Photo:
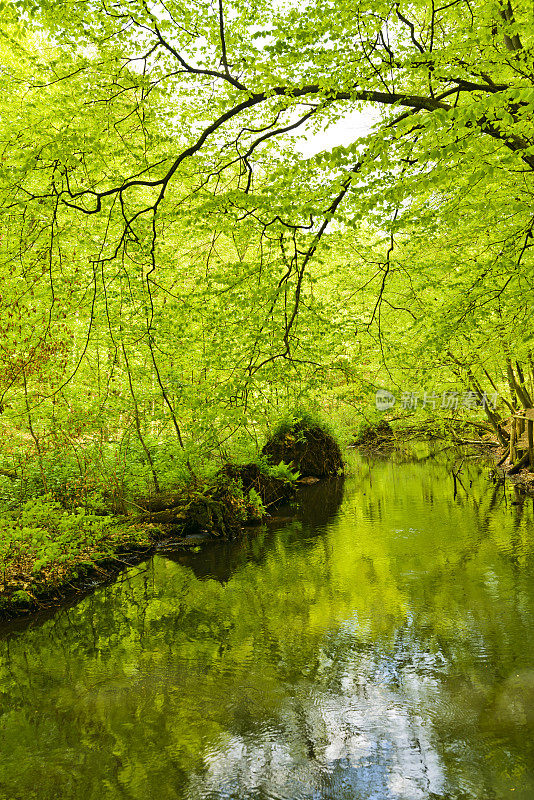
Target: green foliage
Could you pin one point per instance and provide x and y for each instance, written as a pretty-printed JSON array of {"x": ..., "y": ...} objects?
[
  {"x": 299, "y": 419},
  {"x": 44, "y": 546},
  {"x": 283, "y": 472},
  {"x": 255, "y": 504},
  {"x": 246, "y": 505},
  {"x": 177, "y": 275}
]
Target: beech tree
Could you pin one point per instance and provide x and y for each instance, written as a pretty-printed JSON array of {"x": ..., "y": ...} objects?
[
  {"x": 200, "y": 100},
  {"x": 153, "y": 198}
]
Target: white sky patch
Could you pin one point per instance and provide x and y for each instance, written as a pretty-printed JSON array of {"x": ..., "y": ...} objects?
[{"x": 355, "y": 124}]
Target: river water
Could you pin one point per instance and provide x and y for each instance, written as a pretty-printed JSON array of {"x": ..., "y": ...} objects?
[{"x": 377, "y": 647}]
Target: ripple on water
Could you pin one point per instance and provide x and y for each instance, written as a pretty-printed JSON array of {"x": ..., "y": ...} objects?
[{"x": 381, "y": 651}]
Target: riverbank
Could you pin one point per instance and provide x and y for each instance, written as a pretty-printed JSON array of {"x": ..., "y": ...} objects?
[
  {"x": 524, "y": 479},
  {"x": 384, "y": 439},
  {"x": 48, "y": 553}
]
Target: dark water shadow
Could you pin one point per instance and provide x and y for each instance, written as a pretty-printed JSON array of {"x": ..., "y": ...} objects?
[
  {"x": 319, "y": 504},
  {"x": 314, "y": 507},
  {"x": 220, "y": 560}
]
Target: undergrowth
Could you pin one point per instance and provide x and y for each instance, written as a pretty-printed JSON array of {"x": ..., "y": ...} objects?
[{"x": 43, "y": 546}]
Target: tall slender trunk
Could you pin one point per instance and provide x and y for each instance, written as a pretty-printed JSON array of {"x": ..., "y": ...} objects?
[{"x": 138, "y": 424}]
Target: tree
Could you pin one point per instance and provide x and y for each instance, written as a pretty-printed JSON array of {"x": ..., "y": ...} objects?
[{"x": 156, "y": 148}]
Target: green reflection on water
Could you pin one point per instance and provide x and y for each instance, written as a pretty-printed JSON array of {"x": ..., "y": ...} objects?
[{"x": 381, "y": 649}]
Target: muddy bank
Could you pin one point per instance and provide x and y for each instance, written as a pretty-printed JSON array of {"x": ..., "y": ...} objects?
[
  {"x": 49, "y": 552},
  {"x": 523, "y": 478}
]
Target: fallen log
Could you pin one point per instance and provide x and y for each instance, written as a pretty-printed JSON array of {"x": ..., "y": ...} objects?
[{"x": 505, "y": 456}]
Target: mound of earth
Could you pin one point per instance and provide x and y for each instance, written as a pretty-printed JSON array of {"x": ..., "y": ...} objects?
[
  {"x": 215, "y": 511},
  {"x": 219, "y": 508},
  {"x": 307, "y": 448},
  {"x": 375, "y": 435},
  {"x": 203, "y": 508}
]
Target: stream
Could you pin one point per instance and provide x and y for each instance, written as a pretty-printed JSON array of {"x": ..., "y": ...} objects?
[{"x": 376, "y": 646}]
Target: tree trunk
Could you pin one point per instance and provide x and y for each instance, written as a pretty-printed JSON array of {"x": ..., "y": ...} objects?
[
  {"x": 513, "y": 440},
  {"x": 519, "y": 465}
]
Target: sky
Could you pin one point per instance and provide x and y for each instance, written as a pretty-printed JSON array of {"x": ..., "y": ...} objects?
[{"x": 343, "y": 132}]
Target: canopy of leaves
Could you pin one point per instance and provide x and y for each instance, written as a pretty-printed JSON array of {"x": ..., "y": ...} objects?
[{"x": 174, "y": 270}]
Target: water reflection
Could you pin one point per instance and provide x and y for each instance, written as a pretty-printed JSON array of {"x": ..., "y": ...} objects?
[
  {"x": 377, "y": 649},
  {"x": 319, "y": 503},
  {"x": 316, "y": 507},
  {"x": 220, "y": 560}
]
